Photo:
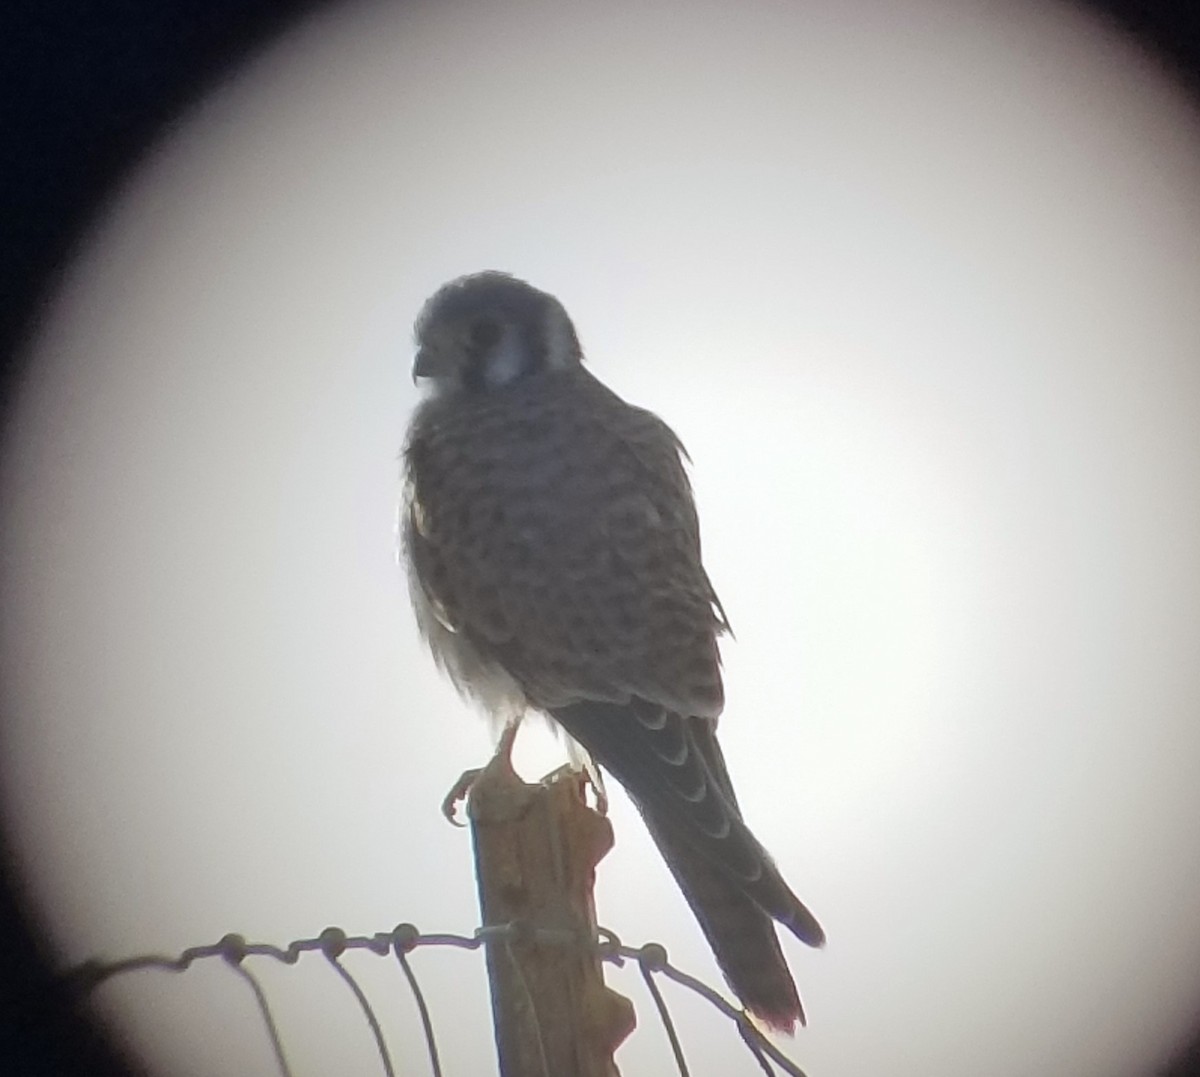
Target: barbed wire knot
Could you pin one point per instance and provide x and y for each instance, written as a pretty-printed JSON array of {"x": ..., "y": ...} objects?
[
  {"x": 653, "y": 957},
  {"x": 405, "y": 938},
  {"x": 333, "y": 942},
  {"x": 233, "y": 948}
]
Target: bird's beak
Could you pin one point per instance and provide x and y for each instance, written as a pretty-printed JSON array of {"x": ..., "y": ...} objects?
[{"x": 424, "y": 365}]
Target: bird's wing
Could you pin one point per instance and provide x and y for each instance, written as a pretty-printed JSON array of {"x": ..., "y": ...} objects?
[{"x": 554, "y": 527}]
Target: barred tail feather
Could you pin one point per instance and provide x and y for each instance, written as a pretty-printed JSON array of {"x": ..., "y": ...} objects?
[{"x": 674, "y": 771}]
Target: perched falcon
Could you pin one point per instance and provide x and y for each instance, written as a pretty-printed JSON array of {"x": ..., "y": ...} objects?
[{"x": 554, "y": 563}]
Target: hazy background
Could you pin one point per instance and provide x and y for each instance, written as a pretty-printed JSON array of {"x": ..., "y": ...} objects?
[{"x": 919, "y": 286}]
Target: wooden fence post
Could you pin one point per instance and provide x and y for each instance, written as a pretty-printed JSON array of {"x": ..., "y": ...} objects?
[{"x": 536, "y": 850}]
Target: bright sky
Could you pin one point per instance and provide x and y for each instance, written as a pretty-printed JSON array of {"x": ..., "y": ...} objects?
[{"x": 917, "y": 283}]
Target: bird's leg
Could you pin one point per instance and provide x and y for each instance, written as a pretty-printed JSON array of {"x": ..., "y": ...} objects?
[{"x": 460, "y": 789}]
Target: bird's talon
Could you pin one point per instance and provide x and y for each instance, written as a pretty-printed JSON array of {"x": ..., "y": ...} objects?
[{"x": 458, "y": 793}]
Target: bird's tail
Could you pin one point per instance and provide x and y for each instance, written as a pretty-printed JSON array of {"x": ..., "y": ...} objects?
[
  {"x": 741, "y": 934},
  {"x": 675, "y": 773}
]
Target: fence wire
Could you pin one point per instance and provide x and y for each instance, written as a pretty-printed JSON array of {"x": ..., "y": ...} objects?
[{"x": 333, "y": 942}]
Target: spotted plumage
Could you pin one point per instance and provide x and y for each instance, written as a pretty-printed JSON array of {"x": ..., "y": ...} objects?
[{"x": 554, "y": 556}]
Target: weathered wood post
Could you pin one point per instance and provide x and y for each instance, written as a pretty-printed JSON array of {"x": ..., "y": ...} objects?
[{"x": 536, "y": 850}]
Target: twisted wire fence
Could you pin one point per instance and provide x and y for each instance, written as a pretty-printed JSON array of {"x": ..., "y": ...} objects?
[{"x": 333, "y": 942}]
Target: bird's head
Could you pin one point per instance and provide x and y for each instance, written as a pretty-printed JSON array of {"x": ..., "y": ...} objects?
[{"x": 482, "y": 332}]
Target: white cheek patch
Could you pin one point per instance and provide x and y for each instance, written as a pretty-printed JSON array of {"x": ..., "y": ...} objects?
[{"x": 506, "y": 362}]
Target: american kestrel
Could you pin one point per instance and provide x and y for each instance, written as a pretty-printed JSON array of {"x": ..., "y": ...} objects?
[{"x": 554, "y": 564}]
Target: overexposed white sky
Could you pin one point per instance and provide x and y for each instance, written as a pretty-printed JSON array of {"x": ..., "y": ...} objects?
[{"x": 917, "y": 283}]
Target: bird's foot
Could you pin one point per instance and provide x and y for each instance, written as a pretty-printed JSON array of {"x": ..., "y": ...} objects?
[
  {"x": 461, "y": 788},
  {"x": 458, "y": 793}
]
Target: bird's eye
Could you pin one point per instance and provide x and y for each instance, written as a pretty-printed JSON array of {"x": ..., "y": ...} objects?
[{"x": 484, "y": 334}]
